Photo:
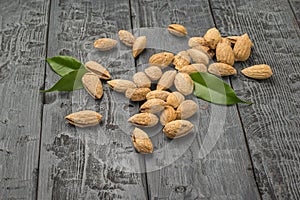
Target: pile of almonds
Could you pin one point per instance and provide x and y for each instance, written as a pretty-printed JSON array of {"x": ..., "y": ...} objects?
[{"x": 171, "y": 109}]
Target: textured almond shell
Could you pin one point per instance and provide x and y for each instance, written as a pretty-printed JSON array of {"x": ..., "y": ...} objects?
[
  {"x": 175, "y": 99},
  {"x": 187, "y": 109},
  {"x": 144, "y": 119},
  {"x": 177, "y": 30},
  {"x": 224, "y": 53},
  {"x": 178, "y": 128},
  {"x": 141, "y": 141},
  {"x": 153, "y": 106},
  {"x": 137, "y": 94},
  {"x": 141, "y": 80},
  {"x": 212, "y": 37},
  {"x": 193, "y": 68},
  {"x": 121, "y": 85},
  {"x": 183, "y": 83},
  {"x": 198, "y": 56},
  {"x": 158, "y": 94},
  {"x": 167, "y": 115},
  {"x": 139, "y": 45},
  {"x": 262, "y": 71},
  {"x": 92, "y": 85},
  {"x": 105, "y": 44},
  {"x": 221, "y": 69},
  {"x": 162, "y": 59},
  {"x": 153, "y": 72},
  {"x": 84, "y": 118},
  {"x": 242, "y": 48},
  {"x": 232, "y": 39},
  {"x": 196, "y": 42},
  {"x": 181, "y": 59},
  {"x": 98, "y": 69},
  {"x": 166, "y": 80},
  {"x": 126, "y": 38}
]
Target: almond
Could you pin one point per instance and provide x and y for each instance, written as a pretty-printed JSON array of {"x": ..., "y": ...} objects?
[
  {"x": 178, "y": 128},
  {"x": 167, "y": 115},
  {"x": 84, "y": 118},
  {"x": 158, "y": 94},
  {"x": 261, "y": 71},
  {"x": 221, "y": 69},
  {"x": 153, "y": 106},
  {"x": 183, "y": 83},
  {"x": 212, "y": 37},
  {"x": 186, "y": 109},
  {"x": 198, "y": 56},
  {"x": 137, "y": 94},
  {"x": 153, "y": 72},
  {"x": 92, "y": 85},
  {"x": 162, "y": 59},
  {"x": 98, "y": 69},
  {"x": 166, "y": 80},
  {"x": 177, "y": 30},
  {"x": 232, "y": 39},
  {"x": 181, "y": 59},
  {"x": 139, "y": 45},
  {"x": 126, "y": 38},
  {"x": 224, "y": 53},
  {"x": 193, "y": 68},
  {"x": 242, "y": 48},
  {"x": 196, "y": 42},
  {"x": 141, "y": 141},
  {"x": 105, "y": 44},
  {"x": 144, "y": 119},
  {"x": 175, "y": 99},
  {"x": 121, "y": 85},
  {"x": 141, "y": 80}
]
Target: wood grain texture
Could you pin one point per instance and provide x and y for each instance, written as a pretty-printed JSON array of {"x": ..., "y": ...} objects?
[
  {"x": 295, "y": 5},
  {"x": 92, "y": 163},
  {"x": 215, "y": 164},
  {"x": 23, "y": 27},
  {"x": 272, "y": 122}
]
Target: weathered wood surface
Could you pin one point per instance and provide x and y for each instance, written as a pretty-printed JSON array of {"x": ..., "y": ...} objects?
[
  {"x": 215, "y": 164},
  {"x": 272, "y": 122},
  {"x": 23, "y": 28},
  {"x": 89, "y": 163},
  {"x": 295, "y": 5}
]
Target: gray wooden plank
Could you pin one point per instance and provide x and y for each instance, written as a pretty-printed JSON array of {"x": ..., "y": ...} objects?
[
  {"x": 272, "y": 122},
  {"x": 23, "y": 27},
  {"x": 295, "y": 5},
  {"x": 98, "y": 162},
  {"x": 213, "y": 162}
]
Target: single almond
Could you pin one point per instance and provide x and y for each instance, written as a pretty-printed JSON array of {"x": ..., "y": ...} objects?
[
  {"x": 261, "y": 71},
  {"x": 141, "y": 141},
  {"x": 196, "y": 42},
  {"x": 181, "y": 59},
  {"x": 84, "y": 118},
  {"x": 137, "y": 94},
  {"x": 193, "y": 68},
  {"x": 242, "y": 48},
  {"x": 166, "y": 80},
  {"x": 212, "y": 37},
  {"x": 153, "y": 72},
  {"x": 92, "y": 85},
  {"x": 98, "y": 69},
  {"x": 177, "y": 30},
  {"x": 105, "y": 44},
  {"x": 224, "y": 53},
  {"x": 221, "y": 69},
  {"x": 139, "y": 45},
  {"x": 198, "y": 56},
  {"x": 126, "y": 38},
  {"x": 178, "y": 128},
  {"x": 183, "y": 83},
  {"x": 175, "y": 99},
  {"x": 121, "y": 85},
  {"x": 158, "y": 94},
  {"x": 186, "y": 109},
  {"x": 162, "y": 59},
  {"x": 153, "y": 106},
  {"x": 141, "y": 80},
  {"x": 167, "y": 115},
  {"x": 144, "y": 119}
]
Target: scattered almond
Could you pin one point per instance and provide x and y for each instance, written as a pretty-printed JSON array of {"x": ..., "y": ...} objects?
[
  {"x": 121, "y": 85},
  {"x": 92, "y": 85},
  {"x": 212, "y": 37},
  {"x": 242, "y": 48},
  {"x": 158, "y": 94},
  {"x": 162, "y": 59},
  {"x": 177, "y": 30},
  {"x": 166, "y": 80},
  {"x": 221, "y": 69},
  {"x": 186, "y": 109},
  {"x": 167, "y": 115},
  {"x": 98, "y": 69},
  {"x": 193, "y": 68},
  {"x": 84, "y": 118},
  {"x": 105, "y": 44},
  {"x": 139, "y": 45},
  {"x": 181, "y": 59},
  {"x": 144, "y": 119},
  {"x": 196, "y": 42},
  {"x": 141, "y": 141},
  {"x": 198, "y": 56},
  {"x": 153, "y": 72},
  {"x": 178, "y": 128},
  {"x": 126, "y": 38},
  {"x": 175, "y": 99},
  {"x": 141, "y": 80},
  {"x": 261, "y": 71},
  {"x": 153, "y": 106},
  {"x": 137, "y": 94},
  {"x": 224, "y": 53},
  {"x": 183, "y": 83}
]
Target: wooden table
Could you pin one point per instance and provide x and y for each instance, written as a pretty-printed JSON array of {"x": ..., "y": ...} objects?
[{"x": 257, "y": 155}]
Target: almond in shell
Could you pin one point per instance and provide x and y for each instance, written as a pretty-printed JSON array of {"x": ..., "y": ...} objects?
[
  {"x": 84, "y": 118},
  {"x": 126, "y": 38},
  {"x": 153, "y": 106},
  {"x": 181, "y": 59},
  {"x": 212, "y": 37},
  {"x": 177, "y": 30},
  {"x": 186, "y": 109},
  {"x": 167, "y": 115},
  {"x": 261, "y": 71},
  {"x": 137, "y": 94},
  {"x": 139, "y": 45},
  {"x": 183, "y": 83},
  {"x": 141, "y": 80},
  {"x": 153, "y": 72},
  {"x": 178, "y": 128},
  {"x": 158, "y": 94},
  {"x": 193, "y": 68},
  {"x": 198, "y": 56},
  {"x": 144, "y": 119},
  {"x": 141, "y": 141},
  {"x": 221, "y": 69},
  {"x": 175, "y": 99},
  {"x": 224, "y": 53},
  {"x": 162, "y": 59},
  {"x": 166, "y": 80},
  {"x": 121, "y": 85},
  {"x": 92, "y": 85},
  {"x": 196, "y": 42},
  {"x": 242, "y": 48},
  {"x": 105, "y": 44},
  {"x": 98, "y": 69}
]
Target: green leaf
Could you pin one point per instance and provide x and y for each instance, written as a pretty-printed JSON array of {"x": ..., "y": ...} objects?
[
  {"x": 63, "y": 65},
  {"x": 69, "y": 82},
  {"x": 212, "y": 89}
]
